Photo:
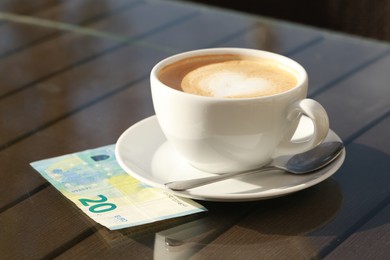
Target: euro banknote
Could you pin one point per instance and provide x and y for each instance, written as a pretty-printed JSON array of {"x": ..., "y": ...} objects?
[{"x": 95, "y": 182}]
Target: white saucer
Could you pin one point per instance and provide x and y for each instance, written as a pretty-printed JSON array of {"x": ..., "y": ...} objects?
[{"x": 144, "y": 153}]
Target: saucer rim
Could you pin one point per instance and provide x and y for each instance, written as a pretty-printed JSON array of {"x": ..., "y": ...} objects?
[{"x": 223, "y": 197}]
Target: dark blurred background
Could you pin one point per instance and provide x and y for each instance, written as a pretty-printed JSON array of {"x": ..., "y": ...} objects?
[{"x": 367, "y": 18}]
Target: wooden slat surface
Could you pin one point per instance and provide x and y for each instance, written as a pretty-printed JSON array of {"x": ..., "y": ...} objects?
[
  {"x": 41, "y": 26},
  {"x": 26, "y": 7},
  {"x": 374, "y": 235},
  {"x": 68, "y": 88},
  {"x": 53, "y": 217}
]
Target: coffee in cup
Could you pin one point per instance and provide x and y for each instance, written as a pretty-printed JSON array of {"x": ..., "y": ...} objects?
[
  {"x": 233, "y": 109},
  {"x": 228, "y": 76}
]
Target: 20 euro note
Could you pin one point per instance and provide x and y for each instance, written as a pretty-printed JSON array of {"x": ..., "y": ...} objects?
[{"x": 95, "y": 182}]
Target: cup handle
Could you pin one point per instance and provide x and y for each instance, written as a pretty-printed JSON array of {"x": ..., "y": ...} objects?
[{"x": 313, "y": 110}]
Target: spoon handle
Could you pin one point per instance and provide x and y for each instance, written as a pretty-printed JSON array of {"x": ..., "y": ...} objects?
[{"x": 190, "y": 184}]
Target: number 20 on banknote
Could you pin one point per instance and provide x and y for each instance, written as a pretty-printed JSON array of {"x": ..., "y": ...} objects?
[{"x": 98, "y": 205}]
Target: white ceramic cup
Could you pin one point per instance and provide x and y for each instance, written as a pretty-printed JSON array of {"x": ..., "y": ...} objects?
[{"x": 233, "y": 134}]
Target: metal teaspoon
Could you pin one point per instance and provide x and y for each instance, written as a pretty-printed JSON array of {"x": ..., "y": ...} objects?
[{"x": 302, "y": 163}]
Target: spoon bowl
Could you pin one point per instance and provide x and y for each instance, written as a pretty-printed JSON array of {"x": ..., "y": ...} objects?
[{"x": 303, "y": 163}]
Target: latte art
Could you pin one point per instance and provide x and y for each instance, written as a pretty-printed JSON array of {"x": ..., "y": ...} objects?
[
  {"x": 225, "y": 84},
  {"x": 228, "y": 76},
  {"x": 242, "y": 78}
]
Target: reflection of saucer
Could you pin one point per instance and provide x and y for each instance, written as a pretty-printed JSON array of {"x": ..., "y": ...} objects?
[{"x": 143, "y": 152}]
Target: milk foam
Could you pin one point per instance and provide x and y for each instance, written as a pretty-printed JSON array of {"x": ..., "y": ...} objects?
[
  {"x": 231, "y": 83},
  {"x": 236, "y": 78}
]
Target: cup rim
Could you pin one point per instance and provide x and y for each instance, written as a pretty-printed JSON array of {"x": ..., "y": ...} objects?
[{"x": 294, "y": 65}]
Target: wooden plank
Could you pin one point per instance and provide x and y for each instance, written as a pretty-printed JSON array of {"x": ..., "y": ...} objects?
[
  {"x": 73, "y": 89},
  {"x": 26, "y": 7},
  {"x": 137, "y": 22},
  {"x": 17, "y": 34},
  {"x": 203, "y": 31},
  {"x": 356, "y": 101},
  {"x": 371, "y": 241},
  {"x": 82, "y": 12},
  {"x": 335, "y": 58},
  {"x": 276, "y": 37},
  {"x": 277, "y": 228},
  {"x": 98, "y": 246},
  {"x": 173, "y": 239},
  {"x": 40, "y": 225},
  {"x": 69, "y": 93},
  {"x": 377, "y": 137},
  {"x": 364, "y": 180},
  {"x": 24, "y": 68}
]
